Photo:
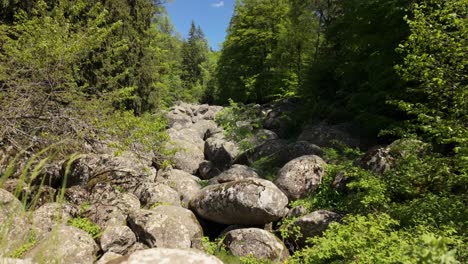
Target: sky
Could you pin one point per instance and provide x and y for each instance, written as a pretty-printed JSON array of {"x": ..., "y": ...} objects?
[{"x": 212, "y": 16}]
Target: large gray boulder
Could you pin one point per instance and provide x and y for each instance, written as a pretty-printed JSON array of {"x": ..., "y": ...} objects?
[
  {"x": 245, "y": 202},
  {"x": 167, "y": 227},
  {"x": 51, "y": 215},
  {"x": 311, "y": 225},
  {"x": 235, "y": 173},
  {"x": 126, "y": 172},
  {"x": 220, "y": 151},
  {"x": 256, "y": 242},
  {"x": 184, "y": 183},
  {"x": 301, "y": 177},
  {"x": 157, "y": 193},
  {"x": 109, "y": 206},
  {"x": 117, "y": 239},
  {"x": 188, "y": 147},
  {"x": 108, "y": 257},
  {"x": 379, "y": 159},
  {"x": 167, "y": 255},
  {"x": 15, "y": 261},
  {"x": 14, "y": 225},
  {"x": 65, "y": 244}
]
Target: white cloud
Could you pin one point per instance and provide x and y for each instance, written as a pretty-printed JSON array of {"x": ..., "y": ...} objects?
[{"x": 218, "y": 4}]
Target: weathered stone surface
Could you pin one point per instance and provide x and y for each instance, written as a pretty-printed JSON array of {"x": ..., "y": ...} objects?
[
  {"x": 313, "y": 224},
  {"x": 184, "y": 183},
  {"x": 117, "y": 239},
  {"x": 208, "y": 170},
  {"x": 177, "y": 117},
  {"x": 235, "y": 173},
  {"x": 166, "y": 255},
  {"x": 76, "y": 195},
  {"x": 189, "y": 150},
  {"x": 381, "y": 159},
  {"x": 50, "y": 215},
  {"x": 245, "y": 202},
  {"x": 268, "y": 149},
  {"x": 256, "y": 242},
  {"x": 203, "y": 127},
  {"x": 297, "y": 211},
  {"x": 259, "y": 137},
  {"x": 123, "y": 171},
  {"x": 14, "y": 225},
  {"x": 109, "y": 206},
  {"x": 301, "y": 176},
  {"x": 167, "y": 227},
  {"x": 67, "y": 244},
  {"x": 220, "y": 151},
  {"x": 157, "y": 193},
  {"x": 107, "y": 257}
]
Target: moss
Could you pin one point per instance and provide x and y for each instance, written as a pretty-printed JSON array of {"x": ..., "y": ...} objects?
[{"x": 86, "y": 225}]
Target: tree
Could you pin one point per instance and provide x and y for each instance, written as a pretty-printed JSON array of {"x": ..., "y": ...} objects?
[
  {"x": 195, "y": 53},
  {"x": 246, "y": 69},
  {"x": 436, "y": 69}
]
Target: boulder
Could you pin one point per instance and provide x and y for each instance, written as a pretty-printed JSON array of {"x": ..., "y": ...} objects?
[
  {"x": 245, "y": 202},
  {"x": 124, "y": 172},
  {"x": 15, "y": 261},
  {"x": 15, "y": 228},
  {"x": 177, "y": 117},
  {"x": 259, "y": 137},
  {"x": 204, "y": 128},
  {"x": 208, "y": 170},
  {"x": 220, "y": 151},
  {"x": 51, "y": 215},
  {"x": 109, "y": 206},
  {"x": 157, "y": 193},
  {"x": 266, "y": 150},
  {"x": 167, "y": 255},
  {"x": 256, "y": 242},
  {"x": 117, "y": 239},
  {"x": 313, "y": 224},
  {"x": 76, "y": 195},
  {"x": 380, "y": 159},
  {"x": 235, "y": 173},
  {"x": 300, "y": 177},
  {"x": 108, "y": 257},
  {"x": 167, "y": 227},
  {"x": 188, "y": 152},
  {"x": 184, "y": 183},
  {"x": 66, "y": 244}
]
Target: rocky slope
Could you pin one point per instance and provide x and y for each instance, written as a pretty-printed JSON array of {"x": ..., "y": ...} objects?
[{"x": 150, "y": 213}]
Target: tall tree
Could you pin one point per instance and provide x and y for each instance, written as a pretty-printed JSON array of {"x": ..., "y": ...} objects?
[
  {"x": 195, "y": 52},
  {"x": 246, "y": 69}
]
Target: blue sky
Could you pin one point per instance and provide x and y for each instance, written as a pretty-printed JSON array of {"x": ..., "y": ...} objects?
[{"x": 212, "y": 15}]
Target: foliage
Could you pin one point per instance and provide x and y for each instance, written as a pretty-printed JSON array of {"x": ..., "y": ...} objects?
[
  {"x": 239, "y": 122},
  {"x": 436, "y": 67},
  {"x": 375, "y": 239},
  {"x": 86, "y": 225},
  {"x": 19, "y": 252}
]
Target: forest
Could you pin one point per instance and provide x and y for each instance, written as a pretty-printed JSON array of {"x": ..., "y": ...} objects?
[{"x": 76, "y": 73}]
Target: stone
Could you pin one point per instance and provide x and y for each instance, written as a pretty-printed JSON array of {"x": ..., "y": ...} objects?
[
  {"x": 188, "y": 153},
  {"x": 167, "y": 226},
  {"x": 208, "y": 170},
  {"x": 158, "y": 193},
  {"x": 109, "y": 206},
  {"x": 50, "y": 215},
  {"x": 257, "y": 243},
  {"x": 184, "y": 183},
  {"x": 107, "y": 257},
  {"x": 221, "y": 151},
  {"x": 166, "y": 255},
  {"x": 313, "y": 224},
  {"x": 245, "y": 202},
  {"x": 15, "y": 228},
  {"x": 301, "y": 177},
  {"x": 122, "y": 171},
  {"x": 117, "y": 239},
  {"x": 66, "y": 244},
  {"x": 235, "y": 173}
]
